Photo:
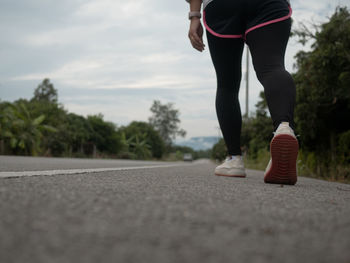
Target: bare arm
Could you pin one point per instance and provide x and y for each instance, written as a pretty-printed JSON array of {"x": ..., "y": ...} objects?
[
  {"x": 195, "y": 5},
  {"x": 195, "y": 33}
]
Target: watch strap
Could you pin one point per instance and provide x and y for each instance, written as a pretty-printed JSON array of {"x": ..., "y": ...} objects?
[{"x": 194, "y": 14}]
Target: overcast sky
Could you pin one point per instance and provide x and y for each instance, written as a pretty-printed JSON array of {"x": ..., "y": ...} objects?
[{"x": 115, "y": 57}]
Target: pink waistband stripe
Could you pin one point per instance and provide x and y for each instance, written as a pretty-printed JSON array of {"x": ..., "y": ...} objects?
[
  {"x": 250, "y": 29},
  {"x": 271, "y": 22},
  {"x": 216, "y": 34}
]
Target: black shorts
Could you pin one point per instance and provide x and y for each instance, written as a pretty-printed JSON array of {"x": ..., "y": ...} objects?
[{"x": 236, "y": 18}]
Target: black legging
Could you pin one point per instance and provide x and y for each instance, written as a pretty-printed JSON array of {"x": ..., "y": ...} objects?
[{"x": 267, "y": 46}]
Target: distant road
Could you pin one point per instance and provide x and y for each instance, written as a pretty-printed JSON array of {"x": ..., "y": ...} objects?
[
  {"x": 137, "y": 211},
  {"x": 18, "y": 163}
]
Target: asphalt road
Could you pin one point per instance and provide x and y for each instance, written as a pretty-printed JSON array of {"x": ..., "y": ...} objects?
[{"x": 180, "y": 213}]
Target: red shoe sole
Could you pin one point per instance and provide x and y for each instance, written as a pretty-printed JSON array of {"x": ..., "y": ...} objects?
[
  {"x": 241, "y": 176},
  {"x": 284, "y": 152}
]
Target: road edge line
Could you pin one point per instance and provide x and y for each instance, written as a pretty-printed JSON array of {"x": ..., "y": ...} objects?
[{"x": 18, "y": 174}]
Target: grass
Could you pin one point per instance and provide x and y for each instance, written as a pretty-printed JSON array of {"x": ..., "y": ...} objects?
[
  {"x": 260, "y": 162},
  {"x": 307, "y": 167}
]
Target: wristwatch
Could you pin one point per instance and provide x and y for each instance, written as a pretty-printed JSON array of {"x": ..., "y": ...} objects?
[{"x": 194, "y": 14}]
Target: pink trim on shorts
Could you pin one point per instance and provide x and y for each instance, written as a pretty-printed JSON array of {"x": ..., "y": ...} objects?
[
  {"x": 250, "y": 29},
  {"x": 270, "y": 22},
  {"x": 216, "y": 34}
]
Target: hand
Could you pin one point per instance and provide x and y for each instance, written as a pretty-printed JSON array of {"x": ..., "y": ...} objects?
[{"x": 195, "y": 34}]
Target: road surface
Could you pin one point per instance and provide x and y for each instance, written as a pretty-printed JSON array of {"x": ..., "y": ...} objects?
[{"x": 164, "y": 212}]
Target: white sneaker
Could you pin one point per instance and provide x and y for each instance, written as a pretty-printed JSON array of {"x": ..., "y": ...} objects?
[
  {"x": 282, "y": 167},
  {"x": 233, "y": 166}
]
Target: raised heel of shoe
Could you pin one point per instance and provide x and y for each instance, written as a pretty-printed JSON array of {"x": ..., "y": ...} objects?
[{"x": 284, "y": 152}]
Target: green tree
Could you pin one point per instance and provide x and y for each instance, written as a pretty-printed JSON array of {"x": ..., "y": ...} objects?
[
  {"x": 45, "y": 92},
  {"x": 257, "y": 131},
  {"x": 27, "y": 130},
  {"x": 165, "y": 119},
  {"x": 219, "y": 151},
  {"x": 58, "y": 143},
  {"x": 262, "y": 127},
  {"x": 6, "y": 121},
  {"x": 152, "y": 137},
  {"x": 323, "y": 81},
  {"x": 79, "y": 131},
  {"x": 140, "y": 147},
  {"x": 247, "y": 133},
  {"x": 344, "y": 147},
  {"x": 104, "y": 136}
]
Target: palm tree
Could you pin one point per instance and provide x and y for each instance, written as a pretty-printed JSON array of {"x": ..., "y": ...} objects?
[
  {"x": 28, "y": 130},
  {"x": 140, "y": 147}
]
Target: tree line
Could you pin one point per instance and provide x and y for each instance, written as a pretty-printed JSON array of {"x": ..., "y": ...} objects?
[{"x": 41, "y": 126}]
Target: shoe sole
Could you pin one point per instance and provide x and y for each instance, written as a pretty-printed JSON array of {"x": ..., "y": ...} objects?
[
  {"x": 284, "y": 152},
  {"x": 241, "y": 176}
]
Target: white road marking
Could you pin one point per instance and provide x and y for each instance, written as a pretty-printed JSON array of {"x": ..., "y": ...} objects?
[{"x": 81, "y": 171}]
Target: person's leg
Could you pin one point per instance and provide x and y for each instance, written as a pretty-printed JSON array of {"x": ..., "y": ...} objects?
[
  {"x": 268, "y": 45},
  {"x": 226, "y": 55}
]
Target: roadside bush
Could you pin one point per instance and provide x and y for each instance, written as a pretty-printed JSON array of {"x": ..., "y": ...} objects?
[
  {"x": 219, "y": 151},
  {"x": 344, "y": 147}
]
